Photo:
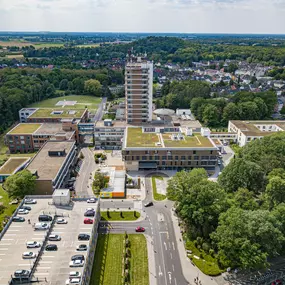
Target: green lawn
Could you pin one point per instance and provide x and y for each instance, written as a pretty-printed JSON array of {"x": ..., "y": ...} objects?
[
  {"x": 82, "y": 100},
  {"x": 12, "y": 165},
  {"x": 116, "y": 216},
  {"x": 187, "y": 141},
  {"x": 136, "y": 138},
  {"x": 25, "y": 128},
  {"x": 107, "y": 268},
  {"x": 157, "y": 196},
  {"x": 9, "y": 209},
  {"x": 139, "y": 260},
  {"x": 62, "y": 113},
  {"x": 46, "y": 45}
]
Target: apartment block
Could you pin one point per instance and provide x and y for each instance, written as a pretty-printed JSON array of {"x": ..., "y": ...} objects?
[
  {"x": 51, "y": 165},
  {"x": 247, "y": 131},
  {"x": 167, "y": 148},
  {"x": 138, "y": 90},
  {"x": 26, "y": 137}
]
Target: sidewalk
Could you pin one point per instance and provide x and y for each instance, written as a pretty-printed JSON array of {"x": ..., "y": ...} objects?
[
  {"x": 189, "y": 270},
  {"x": 151, "y": 261},
  {"x": 141, "y": 218}
]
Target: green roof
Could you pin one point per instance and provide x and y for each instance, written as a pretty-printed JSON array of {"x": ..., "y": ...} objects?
[
  {"x": 187, "y": 141},
  {"x": 136, "y": 138},
  {"x": 12, "y": 164},
  {"x": 25, "y": 129},
  {"x": 59, "y": 113}
]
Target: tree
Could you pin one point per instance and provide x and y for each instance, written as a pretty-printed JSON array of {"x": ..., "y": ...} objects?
[
  {"x": 246, "y": 238},
  {"x": 210, "y": 115},
  {"x": 240, "y": 173},
  {"x": 20, "y": 184},
  {"x": 244, "y": 199},
  {"x": 63, "y": 85},
  {"x": 279, "y": 172},
  {"x": 99, "y": 182},
  {"x": 248, "y": 111},
  {"x": 92, "y": 86},
  {"x": 282, "y": 111},
  {"x": 275, "y": 191},
  {"x": 262, "y": 107},
  {"x": 231, "y": 112}
]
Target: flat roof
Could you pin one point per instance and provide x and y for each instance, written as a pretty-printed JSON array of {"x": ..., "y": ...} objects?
[
  {"x": 24, "y": 128},
  {"x": 52, "y": 129},
  {"x": 47, "y": 166},
  {"x": 60, "y": 113},
  {"x": 135, "y": 138},
  {"x": 12, "y": 164},
  {"x": 53, "y": 265}
]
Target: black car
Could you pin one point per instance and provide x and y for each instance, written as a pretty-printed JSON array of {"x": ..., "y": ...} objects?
[
  {"x": 89, "y": 213},
  {"x": 77, "y": 256},
  {"x": 26, "y": 208},
  {"x": 45, "y": 218},
  {"x": 51, "y": 247},
  {"x": 148, "y": 204},
  {"x": 22, "y": 273},
  {"x": 83, "y": 237},
  {"x": 18, "y": 219}
]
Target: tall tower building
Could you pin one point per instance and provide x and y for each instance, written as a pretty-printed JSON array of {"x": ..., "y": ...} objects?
[{"x": 138, "y": 90}]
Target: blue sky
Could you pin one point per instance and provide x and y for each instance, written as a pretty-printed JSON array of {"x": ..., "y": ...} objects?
[{"x": 190, "y": 16}]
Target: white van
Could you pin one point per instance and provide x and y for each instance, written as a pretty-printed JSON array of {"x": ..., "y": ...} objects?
[{"x": 41, "y": 226}]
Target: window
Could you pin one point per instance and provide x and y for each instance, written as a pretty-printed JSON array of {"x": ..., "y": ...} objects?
[
  {"x": 203, "y": 162},
  {"x": 163, "y": 157},
  {"x": 205, "y": 157},
  {"x": 194, "y": 152},
  {"x": 169, "y": 157},
  {"x": 213, "y": 157},
  {"x": 163, "y": 162},
  {"x": 211, "y": 152},
  {"x": 137, "y": 158},
  {"x": 189, "y": 157},
  {"x": 176, "y": 157},
  {"x": 156, "y": 157},
  {"x": 183, "y": 157},
  {"x": 189, "y": 162},
  {"x": 143, "y": 157},
  {"x": 196, "y": 157}
]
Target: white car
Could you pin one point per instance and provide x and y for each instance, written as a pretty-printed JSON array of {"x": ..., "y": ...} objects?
[
  {"x": 72, "y": 281},
  {"x": 91, "y": 200},
  {"x": 28, "y": 255},
  {"x": 41, "y": 226},
  {"x": 76, "y": 263},
  {"x": 23, "y": 212},
  {"x": 54, "y": 237},
  {"x": 33, "y": 244},
  {"x": 74, "y": 274},
  {"x": 61, "y": 221},
  {"x": 30, "y": 201},
  {"x": 90, "y": 209}
]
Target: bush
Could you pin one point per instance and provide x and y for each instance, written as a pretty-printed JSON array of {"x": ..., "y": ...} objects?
[
  {"x": 209, "y": 268},
  {"x": 206, "y": 246}
]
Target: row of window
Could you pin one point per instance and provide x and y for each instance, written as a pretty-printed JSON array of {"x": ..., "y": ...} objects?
[
  {"x": 163, "y": 157},
  {"x": 177, "y": 163},
  {"x": 176, "y": 157}
]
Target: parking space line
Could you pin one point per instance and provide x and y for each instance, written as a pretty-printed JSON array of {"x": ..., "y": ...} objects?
[
  {"x": 5, "y": 243},
  {"x": 45, "y": 262},
  {"x": 39, "y": 267},
  {"x": 2, "y": 253},
  {"x": 3, "y": 248},
  {"x": 24, "y": 264},
  {"x": 7, "y": 239},
  {"x": 48, "y": 256},
  {"x": 10, "y": 234},
  {"x": 42, "y": 273},
  {"x": 14, "y": 230},
  {"x": 40, "y": 234}
]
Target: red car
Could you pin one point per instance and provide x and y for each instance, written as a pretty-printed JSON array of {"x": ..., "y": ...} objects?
[
  {"x": 140, "y": 229},
  {"x": 88, "y": 221}
]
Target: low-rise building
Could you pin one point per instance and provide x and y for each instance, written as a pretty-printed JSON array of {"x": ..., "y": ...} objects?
[
  {"x": 51, "y": 165},
  {"x": 247, "y": 131},
  {"x": 167, "y": 148}
]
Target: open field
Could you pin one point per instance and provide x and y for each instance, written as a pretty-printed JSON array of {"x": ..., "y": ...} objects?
[
  {"x": 107, "y": 268},
  {"x": 116, "y": 216},
  {"x": 82, "y": 100},
  {"x": 156, "y": 196},
  {"x": 14, "y": 56},
  {"x": 37, "y": 45},
  {"x": 88, "y": 45},
  {"x": 25, "y": 128},
  {"x": 8, "y": 210},
  {"x": 12, "y": 164},
  {"x": 136, "y": 138}
]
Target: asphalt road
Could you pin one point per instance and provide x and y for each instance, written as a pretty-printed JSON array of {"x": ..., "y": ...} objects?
[
  {"x": 158, "y": 224},
  {"x": 99, "y": 113}
]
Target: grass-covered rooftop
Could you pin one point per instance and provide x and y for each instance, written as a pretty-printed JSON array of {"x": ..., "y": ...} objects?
[
  {"x": 57, "y": 113},
  {"x": 136, "y": 138},
  {"x": 25, "y": 128},
  {"x": 12, "y": 164}
]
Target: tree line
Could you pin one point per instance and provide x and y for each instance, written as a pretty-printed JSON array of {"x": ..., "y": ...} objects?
[
  {"x": 240, "y": 219},
  {"x": 22, "y": 87}
]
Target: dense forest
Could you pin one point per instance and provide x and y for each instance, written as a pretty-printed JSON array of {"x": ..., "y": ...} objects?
[
  {"x": 239, "y": 221},
  {"x": 19, "y": 88},
  {"x": 216, "y": 112}
]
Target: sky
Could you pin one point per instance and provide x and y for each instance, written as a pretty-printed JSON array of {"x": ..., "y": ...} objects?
[{"x": 182, "y": 16}]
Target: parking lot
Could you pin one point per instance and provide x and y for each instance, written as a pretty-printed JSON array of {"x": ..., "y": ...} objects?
[{"x": 53, "y": 266}]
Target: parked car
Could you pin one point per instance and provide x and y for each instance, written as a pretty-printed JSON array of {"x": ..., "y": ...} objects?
[
  {"x": 18, "y": 219},
  {"x": 81, "y": 247},
  {"x": 92, "y": 200},
  {"x": 76, "y": 263},
  {"x": 22, "y": 273},
  {"x": 88, "y": 221},
  {"x": 45, "y": 218},
  {"x": 41, "y": 226},
  {"x": 78, "y": 256},
  {"x": 28, "y": 255},
  {"x": 89, "y": 213},
  {"x": 26, "y": 208},
  {"x": 71, "y": 179},
  {"x": 51, "y": 247},
  {"x": 54, "y": 238},
  {"x": 140, "y": 229},
  {"x": 30, "y": 201},
  {"x": 90, "y": 209},
  {"x": 74, "y": 274},
  {"x": 61, "y": 221},
  {"x": 72, "y": 281},
  {"x": 23, "y": 212},
  {"x": 148, "y": 204},
  {"x": 83, "y": 237},
  {"x": 33, "y": 244}
]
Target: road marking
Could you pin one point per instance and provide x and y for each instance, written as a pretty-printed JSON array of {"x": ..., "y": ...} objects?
[
  {"x": 43, "y": 268},
  {"x": 45, "y": 262},
  {"x": 7, "y": 239},
  {"x": 42, "y": 273},
  {"x": 10, "y": 234},
  {"x": 160, "y": 273},
  {"x": 163, "y": 259},
  {"x": 173, "y": 267},
  {"x": 175, "y": 281},
  {"x": 2, "y": 253},
  {"x": 14, "y": 230},
  {"x": 3, "y": 248},
  {"x": 48, "y": 256},
  {"x": 24, "y": 264},
  {"x": 170, "y": 255},
  {"x": 173, "y": 246},
  {"x": 165, "y": 245},
  {"x": 5, "y": 243},
  {"x": 169, "y": 276}
]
